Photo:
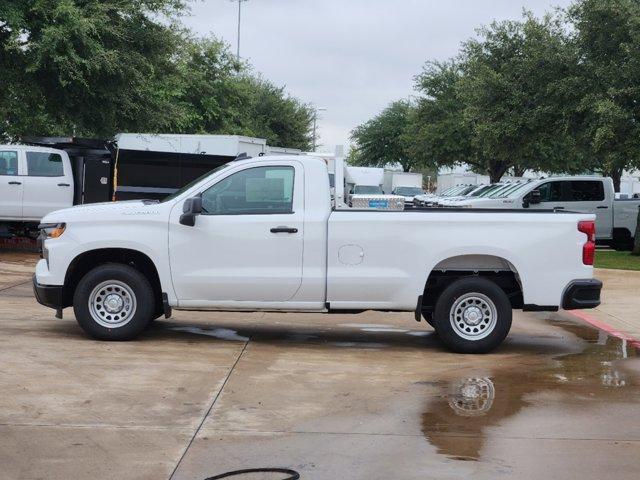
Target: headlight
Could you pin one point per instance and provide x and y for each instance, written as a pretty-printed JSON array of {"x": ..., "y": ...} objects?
[{"x": 52, "y": 230}]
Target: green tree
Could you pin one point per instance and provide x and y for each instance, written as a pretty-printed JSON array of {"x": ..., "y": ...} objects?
[
  {"x": 97, "y": 67},
  {"x": 438, "y": 132},
  {"x": 94, "y": 67},
  {"x": 607, "y": 37},
  {"x": 505, "y": 103},
  {"x": 384, "y": 140},
  {"x": 269, "y": 112}
]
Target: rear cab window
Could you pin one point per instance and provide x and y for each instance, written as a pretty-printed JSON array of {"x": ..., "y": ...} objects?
[
  {"x": 44, "y": 164},
  {"x": 8, "y": 162},
  {"x": 584, "y": 191}
]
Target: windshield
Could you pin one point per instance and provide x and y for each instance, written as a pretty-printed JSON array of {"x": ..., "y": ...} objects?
[
  {"x": 446, "y": 191},
  {"x": 491, "y": 190},
  {"x": 505, "y": 192},
  {"x": 453, "y": 191},
  {"x": 408, "y": 191},
  {"x": 513, "y": 192},
  {"x": 466, "y": 190},
  {"x": 499, "y": 191},
  {"x": 367, "y": 189},
  {"x": 480, "y": 191},
  {"x": 180, "y": 191}
]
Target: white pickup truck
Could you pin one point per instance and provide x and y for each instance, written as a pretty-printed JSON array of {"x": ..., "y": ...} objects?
[
  {"x": 615, "y": 219},
  {"x": 33, "y": 182},
  {"x": 260, "y": 234}
]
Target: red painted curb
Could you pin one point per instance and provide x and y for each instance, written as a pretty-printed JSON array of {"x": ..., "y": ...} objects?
[{"x": 604, "y": 327}]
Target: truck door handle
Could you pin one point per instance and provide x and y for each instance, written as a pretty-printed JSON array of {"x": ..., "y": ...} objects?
[
  {"x": 284, "y": 230},
  {"x": 64, "y": 185},
  {"x": 15, "y": 183},
  {"x": 558, "y": 208},
  {"x": 602, "y": 207}
]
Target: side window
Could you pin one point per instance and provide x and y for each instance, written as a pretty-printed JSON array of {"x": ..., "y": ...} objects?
[
  {"x": 551, "y": 192},
  {"x": 260, "y": 190},
  {"x": 43, "y": 164},
  {"x": 585, "y": 191},
  {"x": 8, "y": 162}
]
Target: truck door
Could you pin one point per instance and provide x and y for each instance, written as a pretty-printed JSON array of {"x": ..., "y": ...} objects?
[
  {"x": 48, "y": 185},
  {"x": 584, "y": 196},
  {"x": 247, "y": 244},
  {"x": 11, "y": 185}
]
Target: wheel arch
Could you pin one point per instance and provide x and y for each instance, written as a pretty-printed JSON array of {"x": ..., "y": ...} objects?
[
  {"x": 494, "y": 267},
  {"x": 88, "y": 260}
]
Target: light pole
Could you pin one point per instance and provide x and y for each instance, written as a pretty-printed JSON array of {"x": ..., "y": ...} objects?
[
  {"x": 315, "y": 121},
  {"x": 239, "y": 18}
]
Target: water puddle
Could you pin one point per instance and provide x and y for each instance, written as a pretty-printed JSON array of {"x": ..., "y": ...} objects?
[
  {"x": 219, "y": 333},
  {"x": 483, "y": 403}
]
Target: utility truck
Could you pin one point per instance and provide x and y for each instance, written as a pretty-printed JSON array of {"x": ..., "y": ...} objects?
[{"x": 261, "y": 234}]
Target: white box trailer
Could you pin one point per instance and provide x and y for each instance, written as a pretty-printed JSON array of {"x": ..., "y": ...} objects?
[
  {"x": 448, "y": 180},
  {"x": 394, "y": 179},
  {"x": 363, "y": 176},
  {"x": 220, "y": 145}
]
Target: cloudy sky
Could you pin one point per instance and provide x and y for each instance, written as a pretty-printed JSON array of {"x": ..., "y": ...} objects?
[{"x": 351, "y": 57}]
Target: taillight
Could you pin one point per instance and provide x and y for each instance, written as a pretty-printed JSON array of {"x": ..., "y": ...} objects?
[{"x": 588, "y": 227}]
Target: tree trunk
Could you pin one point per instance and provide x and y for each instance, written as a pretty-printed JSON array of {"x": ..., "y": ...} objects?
[
  {"x": 616, "y": 176},
  {"x": 519, "y": 171},
  {"x": 496, "y": 171}
]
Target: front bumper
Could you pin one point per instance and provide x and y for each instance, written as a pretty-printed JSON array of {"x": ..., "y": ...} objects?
[
  {"x": 48, "y": 295},
  {"x": 582, "y": 294}
]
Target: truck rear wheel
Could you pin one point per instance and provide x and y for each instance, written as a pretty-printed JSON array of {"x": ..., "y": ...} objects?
[
  {"x": 472, "y": 315},
  {"x": 113, "y": 302}
]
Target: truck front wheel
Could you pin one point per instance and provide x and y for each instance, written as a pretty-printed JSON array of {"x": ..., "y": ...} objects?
[
  {"x": 113, "y": 302},
  {"x": 472, "y": 315}
]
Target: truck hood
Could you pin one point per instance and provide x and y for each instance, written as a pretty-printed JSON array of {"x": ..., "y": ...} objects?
[{"x": 103, "y": 211}]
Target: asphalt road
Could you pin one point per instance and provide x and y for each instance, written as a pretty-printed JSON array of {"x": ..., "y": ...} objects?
[{"x": 368, "y": 396}]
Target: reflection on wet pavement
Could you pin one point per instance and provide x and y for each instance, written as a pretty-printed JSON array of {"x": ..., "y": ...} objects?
[{"x": 458, "y": 420}]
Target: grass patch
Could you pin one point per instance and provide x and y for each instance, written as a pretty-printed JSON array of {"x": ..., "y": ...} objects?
[{"x": 616, "y": 260}]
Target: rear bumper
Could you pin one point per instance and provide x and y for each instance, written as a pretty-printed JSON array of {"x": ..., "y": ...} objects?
[
  {"x": 48, "y": 295},
  {"x": 582, "y": 294}
]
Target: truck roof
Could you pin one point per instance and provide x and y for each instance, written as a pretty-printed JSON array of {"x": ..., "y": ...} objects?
[{"x": 31, "y": 148}]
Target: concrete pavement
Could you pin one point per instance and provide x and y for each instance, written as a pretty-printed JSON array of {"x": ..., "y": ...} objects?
[{"x": 368, "y": 396}]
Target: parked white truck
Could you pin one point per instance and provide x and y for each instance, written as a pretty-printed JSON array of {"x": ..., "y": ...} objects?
[
  {"x": 260, "y": 234},
  {"x": 615, "y": 219},
  {"x": 405, "y": 184},
  {"x": 33, "y": 182}
]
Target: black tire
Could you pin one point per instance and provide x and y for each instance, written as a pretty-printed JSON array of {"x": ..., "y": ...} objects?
[
  {"x": 497, "y": 327},
  {"x": 125, "y": 275}
]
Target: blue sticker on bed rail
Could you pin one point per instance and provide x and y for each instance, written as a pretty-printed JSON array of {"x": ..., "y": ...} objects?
[{"x": 378, "y": 204}]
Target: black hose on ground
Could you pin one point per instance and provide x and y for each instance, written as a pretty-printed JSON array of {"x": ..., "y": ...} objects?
[{"x": 293, "y": 475}]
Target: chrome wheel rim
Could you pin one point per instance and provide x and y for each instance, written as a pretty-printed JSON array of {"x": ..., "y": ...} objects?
[
  {"x": 473, "y": 316},
  {"x": 472, "y": 397},
  {"x": 112, "y": 304}
]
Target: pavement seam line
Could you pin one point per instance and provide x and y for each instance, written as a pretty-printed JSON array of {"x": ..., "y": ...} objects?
[
  {"x": 204, "y": 417},
  {"x": 14, "y": 285}
]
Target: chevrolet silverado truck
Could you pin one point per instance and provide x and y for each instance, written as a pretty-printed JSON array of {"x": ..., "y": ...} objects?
[{"x": 261, "y": 234}]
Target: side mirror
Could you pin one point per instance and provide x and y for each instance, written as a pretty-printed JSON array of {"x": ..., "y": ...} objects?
[
  {"x": 191, "y": 208},
  {"x": 534, "y": 197}
]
